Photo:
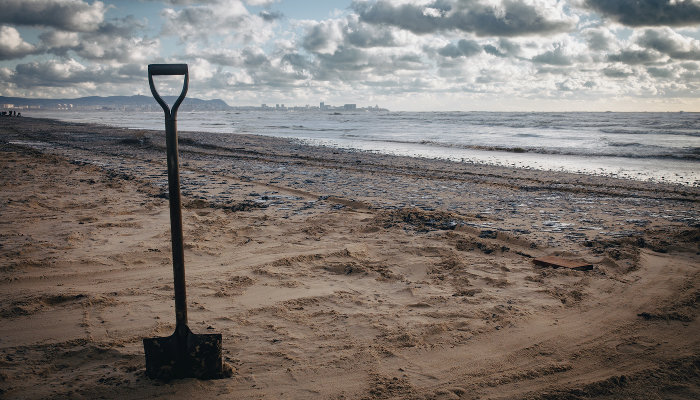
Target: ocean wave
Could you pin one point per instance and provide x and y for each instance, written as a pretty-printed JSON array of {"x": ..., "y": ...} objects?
[
  {"x": 303, "y": 128},
  {"x": 641, "y": 151},
  {"x": 647, "y": 131}
]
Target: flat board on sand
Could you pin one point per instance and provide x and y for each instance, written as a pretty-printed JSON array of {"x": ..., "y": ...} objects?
[{"x": 556, "y": 262}]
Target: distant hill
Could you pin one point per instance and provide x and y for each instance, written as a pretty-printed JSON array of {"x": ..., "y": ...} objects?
[{"x": 112, "y": 102}]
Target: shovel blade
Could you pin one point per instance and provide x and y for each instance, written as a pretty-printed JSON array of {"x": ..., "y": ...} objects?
[{"x": 184, "y": 356}]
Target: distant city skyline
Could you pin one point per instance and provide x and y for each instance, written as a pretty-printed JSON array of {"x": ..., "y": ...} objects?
[
  {"x": 147, "y": 103},
  {"x": 415, "y": 55}
]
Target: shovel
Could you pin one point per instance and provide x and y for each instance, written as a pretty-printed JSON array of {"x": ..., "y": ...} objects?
[{"x": 182, "y": 354}]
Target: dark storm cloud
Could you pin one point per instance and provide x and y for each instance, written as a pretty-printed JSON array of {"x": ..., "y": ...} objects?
[
  {"x": 464, "y": 48},
  {"x": 513, "y": 19},
  {"x": 75, "y": 15},
  {"x": 649, "y": 12},
  {"x": 665, "y": 42}
]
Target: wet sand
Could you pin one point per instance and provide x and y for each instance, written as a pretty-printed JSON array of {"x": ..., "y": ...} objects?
[{"x": 335, "y": 274}]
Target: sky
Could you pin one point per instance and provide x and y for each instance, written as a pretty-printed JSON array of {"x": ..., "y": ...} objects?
[{"x": 414, "y": 55}]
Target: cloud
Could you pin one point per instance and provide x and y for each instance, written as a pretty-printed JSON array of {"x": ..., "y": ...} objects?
[
  {"x": 229, "y": 19},
  {"x": 364, "y": 35},
  {"x": 125, "y": 27},
  {"x": 115, "y": 41},
  {"x": 406, "y": 16},
  {"x": 599, "y": 39},
  {"x": 298, "y": 62},
  {"x": 324, "y": 37},
  {"x": 617, "y": 72},
  {"x": 224, "y": 57},
  {"x": 117, "y": 49},
  {"x": 553, "y": 57},
  {"x": 668, "y": 42},
  {"x": 60, "y": 39},
  {"x": 494, "y": 51},
  {"x": 635, "y": 57},
  {"x": 254, "y": 58},
  {"x": 260, "y": 2},
  {"x": 660, "y": 72},
  {"x": 270, "y": 15},
  {"x": 56, "y": 73},
  {"x": 68, "y": 15},
  {"x": 574, "y": 85},
  {"x": 505, "y": 48},
  {"x": 649, "y": 12},
  {"x": 382, "y": 49},
  {"x": 12, "y": 45},
  {"x": 186, "y": 2},
  {"x": 509, "y": 47},
  {"x": 505, "y": 18},
  {"x": 464, "y": 48}
]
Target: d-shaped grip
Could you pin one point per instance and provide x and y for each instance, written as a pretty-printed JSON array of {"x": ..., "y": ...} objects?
[{"x": 168, "y": 69}]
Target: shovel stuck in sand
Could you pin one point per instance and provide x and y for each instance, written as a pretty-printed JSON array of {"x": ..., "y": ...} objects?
[{"x": 182, "y": 354}]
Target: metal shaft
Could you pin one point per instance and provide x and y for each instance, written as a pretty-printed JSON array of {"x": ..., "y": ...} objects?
[{"x": 176, "y": 222}]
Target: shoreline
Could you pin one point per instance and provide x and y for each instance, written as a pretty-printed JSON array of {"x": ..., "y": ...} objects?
[
  {"x": 209, "y": 142},
  {"x": 338, "y": 274},
  {"x": 664, "y": 169}
]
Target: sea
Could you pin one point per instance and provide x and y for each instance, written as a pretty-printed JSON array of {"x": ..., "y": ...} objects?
[{"x": 657, "y": 147}]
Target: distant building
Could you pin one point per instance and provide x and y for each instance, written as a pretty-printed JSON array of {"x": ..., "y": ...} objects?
[
  {"x": 350, "y": 107},
  {"x": 322, "y": 106}
]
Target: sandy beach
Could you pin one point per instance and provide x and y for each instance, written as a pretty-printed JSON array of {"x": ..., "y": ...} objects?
[{"x": 336, "y": 274}]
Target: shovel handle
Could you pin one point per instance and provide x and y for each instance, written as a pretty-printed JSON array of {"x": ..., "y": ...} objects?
[
  {"x": 174, "y": 188},
  {"x": 169, "y": 69}
]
